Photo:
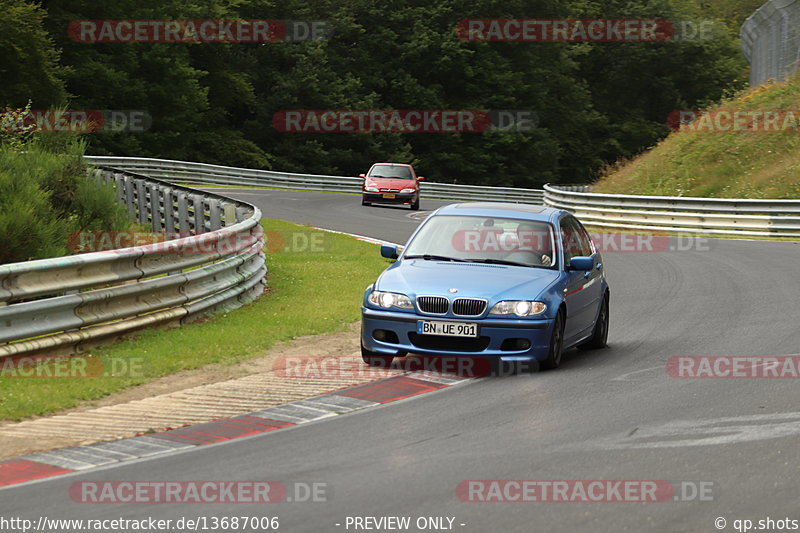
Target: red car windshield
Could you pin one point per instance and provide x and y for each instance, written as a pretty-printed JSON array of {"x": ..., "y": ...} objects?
[{"x": 391, "y": 171}]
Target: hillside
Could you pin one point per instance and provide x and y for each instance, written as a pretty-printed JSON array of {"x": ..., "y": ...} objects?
[{"x": 746, "y": 147}]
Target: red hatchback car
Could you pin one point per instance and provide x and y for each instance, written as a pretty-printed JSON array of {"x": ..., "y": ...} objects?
[{"x": 391, "y": 183}]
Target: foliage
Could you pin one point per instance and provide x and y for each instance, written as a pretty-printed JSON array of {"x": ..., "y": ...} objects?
[
  {"x": 214, "y": 102},
  {"x": 29, "y": 64},
  {"x": 45, "y": 196}
]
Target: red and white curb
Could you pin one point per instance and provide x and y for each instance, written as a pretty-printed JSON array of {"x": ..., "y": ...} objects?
[{"x": 80, "y": 458}]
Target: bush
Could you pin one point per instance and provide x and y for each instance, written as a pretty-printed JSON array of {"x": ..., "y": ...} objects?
[
  {"x": 45, "y": 196},
  {"x": 27, "y": 231},
  {"x": 96, "y": 207}
]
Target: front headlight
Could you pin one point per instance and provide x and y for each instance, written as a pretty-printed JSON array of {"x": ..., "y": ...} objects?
[
  {"x": 371, "y": 189},
  {"x": 407, "y": 190},
  {"x": 390, "y": 299},
  {"x": 518, "y": 307}
]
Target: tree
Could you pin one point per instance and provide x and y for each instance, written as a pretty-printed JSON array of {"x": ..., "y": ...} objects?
[{"x": 28, "y": 58}]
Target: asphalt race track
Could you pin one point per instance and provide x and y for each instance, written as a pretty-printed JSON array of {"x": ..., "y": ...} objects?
[{"x": 614, "y": 414}]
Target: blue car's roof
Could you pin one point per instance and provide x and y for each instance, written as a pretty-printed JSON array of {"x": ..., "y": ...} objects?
[{"x": 502, "y": 209}]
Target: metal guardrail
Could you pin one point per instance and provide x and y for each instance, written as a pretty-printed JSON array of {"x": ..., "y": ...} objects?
[
  {"x": 768, "y": 218},
  {"x": 771, "y": 41},
  {"x": 664, "y": 213},
  {"x": 203, "y": 173},
  {"x": 65, "y": 304}
]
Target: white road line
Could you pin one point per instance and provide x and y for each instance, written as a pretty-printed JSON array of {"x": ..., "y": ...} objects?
[{"x": 624, "y": 377}]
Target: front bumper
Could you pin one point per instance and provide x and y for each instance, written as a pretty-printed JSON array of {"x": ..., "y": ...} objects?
[
  {"x": 377, "y": 197},
  {"x": 497, "y": 336}
]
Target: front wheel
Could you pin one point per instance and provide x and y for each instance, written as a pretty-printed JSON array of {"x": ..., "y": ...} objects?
[
  {"x": 415, "y": 205},
  {"x": 376, "y": 360},
  {"x": 599, "y": 338},
  {"x": 365, "y": 202},
  {"x": 556, "y": 344}
]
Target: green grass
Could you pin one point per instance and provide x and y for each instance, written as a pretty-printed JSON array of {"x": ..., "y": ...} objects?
[
  {"x": 717, "y": 164},
  {"x": 312, "y": 291}
]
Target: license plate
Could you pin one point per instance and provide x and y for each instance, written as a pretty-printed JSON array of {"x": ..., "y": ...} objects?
[
  {"x": 447, "y": 329},
  {"x": 388, "y": 195}
]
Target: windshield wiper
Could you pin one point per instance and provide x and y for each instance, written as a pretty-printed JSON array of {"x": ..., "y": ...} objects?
[
  {"x": 499, "y": 262},
  {"x": 430, "y": 257}
]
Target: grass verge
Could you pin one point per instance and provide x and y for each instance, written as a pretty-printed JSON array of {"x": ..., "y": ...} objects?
[
  {"x": 708, "y": 161},
  {"x": 316, "y": 280}
]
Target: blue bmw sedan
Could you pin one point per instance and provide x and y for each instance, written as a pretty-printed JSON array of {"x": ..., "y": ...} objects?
[{"x": 514, "y": 282}]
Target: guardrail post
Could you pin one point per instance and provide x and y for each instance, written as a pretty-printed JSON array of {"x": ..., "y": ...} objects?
[
  {"x": 168, "y": 210},
  {"x": 214, "y": 214},
  {"x": 183, "y": 213},
  {"x": 198, "y": 204},
  {"x": 141, "y": 201},
  {"x": 156, "y": 211},
  {"x": 229, "y": 210},
  {"x": 119, "y": 185},
  {"x": 130, "y": 198}
]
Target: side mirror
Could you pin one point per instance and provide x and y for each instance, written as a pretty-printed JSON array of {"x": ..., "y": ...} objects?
[
  {"x": 420, "y": 178},
  {"x": 581, "y": 263},
  {"x": 362, "y": 175},
  {"x": 389, "y": 251}
]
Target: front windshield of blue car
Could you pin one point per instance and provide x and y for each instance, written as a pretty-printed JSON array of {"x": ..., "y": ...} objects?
[{"x": 484, "y": 240}]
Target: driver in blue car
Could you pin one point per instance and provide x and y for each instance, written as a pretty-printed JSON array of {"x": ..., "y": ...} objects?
[{"x": 531, "y": 244}]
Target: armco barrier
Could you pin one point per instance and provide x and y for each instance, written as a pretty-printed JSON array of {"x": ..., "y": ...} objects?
[
  {"x": 674, "y": 214},
  {"x": 202, "y": 173},
  {"x": 664, "y": 213},
  {"x": 64, "y": 304}
]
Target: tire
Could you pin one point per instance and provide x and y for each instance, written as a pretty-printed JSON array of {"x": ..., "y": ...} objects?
[
  {"x": 364, "y": 202},
  {"x": 376, "y": 360},
  {"x": 556, "y": 345},
  {"x": 415, "y": 205},
  {"x": 599, "y": 338}
]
